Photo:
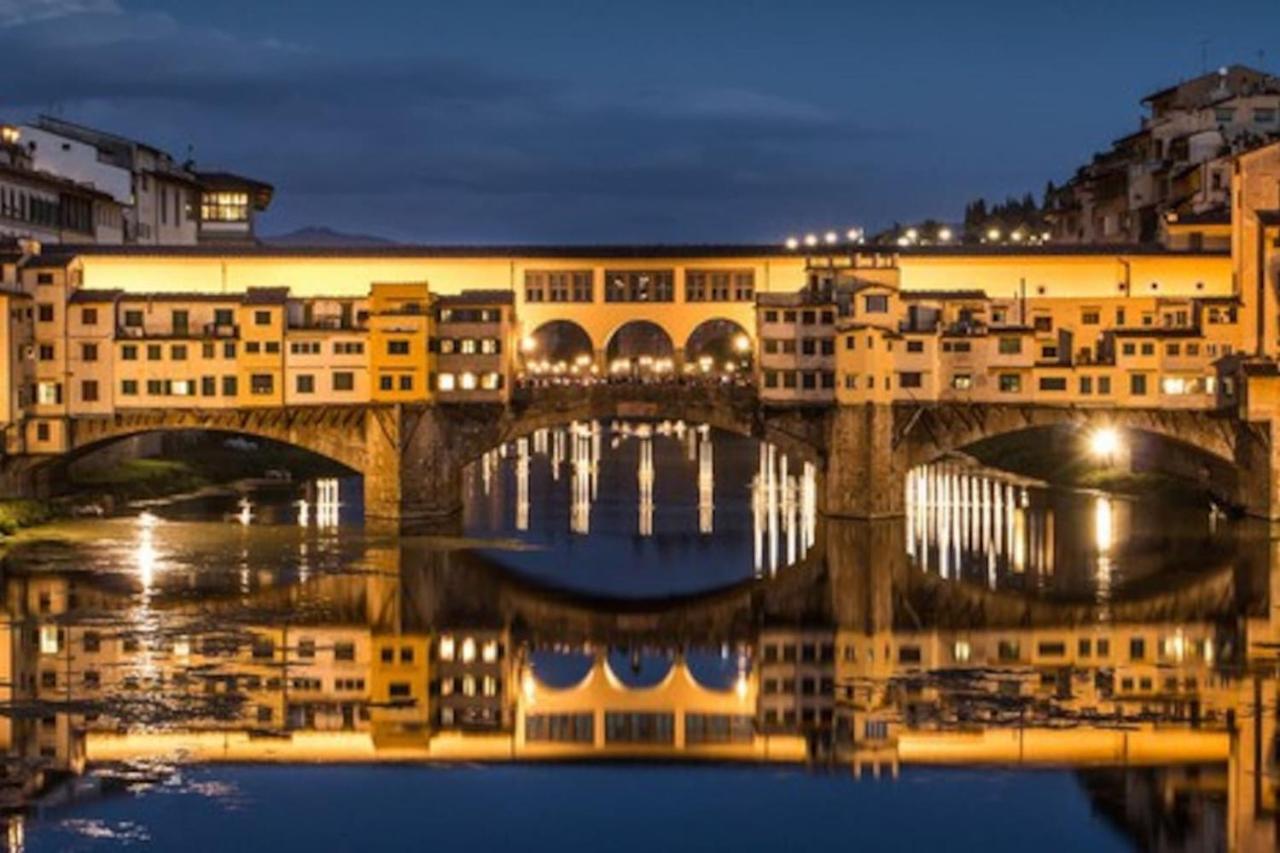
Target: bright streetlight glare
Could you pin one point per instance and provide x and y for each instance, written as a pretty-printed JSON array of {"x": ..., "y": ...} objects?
[{"x": 1104, "y": 443}]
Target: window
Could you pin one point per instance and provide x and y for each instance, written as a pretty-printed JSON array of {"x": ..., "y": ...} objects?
[
  {"x": 344, "y": 651},
  {"x": 1090, "y": 317},
  {"x": 223, "y": 317},
  {"x": 229, "y": 386},
  {"x": 262, "y": 318},
  {"x": 129, "y": 352},
  {"x": 128, "y": 387},
  {"x": 181, "y": 321},
  {"x": 89, "y": 316},
  {"x": 344, "y": 380},
  {"x": 1086, "y": 385},
  {"x": 386, "y": 383},
  {"x": 910, "y": 380},
  {"x": 1104, "y": 384},
  {"x": 1010, "y": 346},
  {"x": 224, "y": 207},
  {"x": 208, "y": 386},
  {"x": 446, "y": 382},
  {"x": 46, "y": 352},
  {"x": 89, "y": 390},
  {"x": 178, "y": 352},
  {"x": 961, "y": 381},
  {"x": 406, "y": 382},
  {"x": 48, "y": 393},
  {"x": 875, "y": 303},
  {"x": 154, "y": 352},
  {"x": 1010, "y": 383},
  {"x": 1044, "y": 323},
  {"x": 1138, "y": 384},
  {"x": 559, "y": 286},
  {"x": 639, "y": 286},
  {"x": 1053, "y": 383},
  {"x": 915, "y": 346},
  {"x": 305, "y": 383},
  {"x": 262, "y": 383},
  {"x": 397, "y": 347}
]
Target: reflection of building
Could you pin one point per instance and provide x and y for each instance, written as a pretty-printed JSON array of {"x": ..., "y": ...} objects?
[
  {"x": 887, "y": 665},
  {"x": 796, "y": 679},
  {"x": 471, "y": 680}
]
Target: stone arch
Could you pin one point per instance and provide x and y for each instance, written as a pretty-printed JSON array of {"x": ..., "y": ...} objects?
[
  {"x": 720, "y": 341},
  {"x": 726, "y": 407},
  {"x": 557, "y": 342},
  {"x": 933, "y": 431},
  {"x": 337, "y": 433},
  {"x": 637, "y": 339}
]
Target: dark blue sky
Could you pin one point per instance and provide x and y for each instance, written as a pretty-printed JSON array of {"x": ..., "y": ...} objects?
[{"x": 593, "y": 120}]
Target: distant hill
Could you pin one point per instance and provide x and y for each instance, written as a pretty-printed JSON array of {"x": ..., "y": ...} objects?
[{"x": 319, "y": 236}]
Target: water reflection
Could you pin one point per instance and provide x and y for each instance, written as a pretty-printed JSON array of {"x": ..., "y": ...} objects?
[
  {"x": 1004, "y": 532},
  {"x": 138, "y": 646},
  {"x": 643, "y": 508}
]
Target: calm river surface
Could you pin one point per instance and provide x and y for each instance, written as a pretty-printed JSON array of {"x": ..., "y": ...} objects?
[{"x": 1008, "y": 667}]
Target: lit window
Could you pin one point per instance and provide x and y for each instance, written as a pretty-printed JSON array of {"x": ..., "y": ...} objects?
[
  {"x": 468, "y": 650},
  {"x": 48, "y": 639},
  {"x": 446, "y": 648},
  {"x": 961, "y": 652},
  {"x": 489, "y": 653},
  {"x": 468, "y": 381},
  {"x": 469, "y": 685},
  {"x": 47, "y": 393},
  {"x": 490, "y": 686},
  {"x": 1174, "y": 385},
  {"x": 225, "y": 207},
  {"x": 446, "y": 382}
]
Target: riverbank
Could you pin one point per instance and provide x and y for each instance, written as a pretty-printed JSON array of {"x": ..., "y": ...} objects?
[{"x": 18, "y": 514}]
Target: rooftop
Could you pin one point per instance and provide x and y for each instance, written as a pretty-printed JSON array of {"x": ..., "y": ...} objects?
[{"x": 676, "y": 251}]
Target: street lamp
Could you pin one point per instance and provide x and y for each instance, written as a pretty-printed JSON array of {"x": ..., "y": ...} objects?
[
  {"x": 1104, "y": 444},
  {"x": 811, "y": 240},
  {"x": 944, "y": 235},
  {"x": 793, "y": 243},
  {"x": 741, "y": 343},
  {"x": 528, "y": 344},
  {"x": 830, "y": 237}
]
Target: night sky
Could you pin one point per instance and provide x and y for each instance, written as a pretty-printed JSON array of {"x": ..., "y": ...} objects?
[{"x": 594, "y": 120}]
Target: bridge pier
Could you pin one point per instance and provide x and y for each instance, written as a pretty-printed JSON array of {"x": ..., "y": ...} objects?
[
  {"x": 413, "y": 468},
  {"x": 1257, "y": 449},
  {"x": 865, "y": 472}
]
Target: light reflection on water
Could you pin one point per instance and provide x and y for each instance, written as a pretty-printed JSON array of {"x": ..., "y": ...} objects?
[
  {"x": 643, "y": 508},
  {"x": 223, "y": 636},
  {"x": 1003, "y": 532}
]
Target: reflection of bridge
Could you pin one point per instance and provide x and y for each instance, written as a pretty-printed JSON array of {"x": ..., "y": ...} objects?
[
  {"x": 922, "y": 670},
  {"x": 412, "y": 456}
]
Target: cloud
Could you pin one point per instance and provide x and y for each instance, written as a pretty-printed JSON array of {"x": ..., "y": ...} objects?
[
  {"x": 438, "y": 146},
  {"x": 16, "y": 12}
]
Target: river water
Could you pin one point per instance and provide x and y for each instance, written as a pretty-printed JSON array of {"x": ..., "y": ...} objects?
[{"x": 1010, "y": 666}]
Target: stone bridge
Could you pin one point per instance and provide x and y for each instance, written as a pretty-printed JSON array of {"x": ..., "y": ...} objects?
[
  {"x": 871, "y": 447},
  {"x": 412, "y": 457}
]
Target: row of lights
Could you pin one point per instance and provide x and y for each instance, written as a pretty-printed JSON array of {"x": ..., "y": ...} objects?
[
  {"x": 856, "y": 236},
  {"x": 912, "y": 237}
]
